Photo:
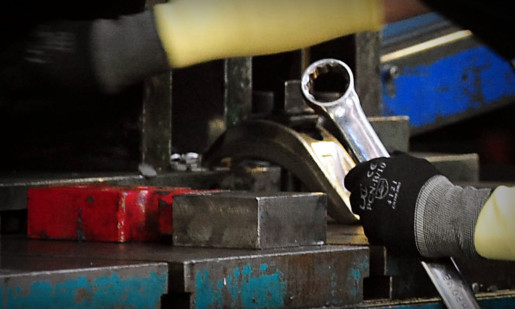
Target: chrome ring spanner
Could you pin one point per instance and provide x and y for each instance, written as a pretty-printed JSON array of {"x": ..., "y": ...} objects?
[
  {"x": 355, "y": 132},
  {"x": 345, "y": 112}
]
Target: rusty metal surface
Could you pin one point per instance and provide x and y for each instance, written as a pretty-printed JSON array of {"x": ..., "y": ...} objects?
[
  {"x": 328, "y": 276},
  {"x": 51, "y": 282},
  {"x": 314, "y": 276},
  {"x": 249, "y": 220}
]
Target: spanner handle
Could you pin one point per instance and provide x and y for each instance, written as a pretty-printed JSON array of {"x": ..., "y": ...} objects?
[{"x": 356, "y": 132}]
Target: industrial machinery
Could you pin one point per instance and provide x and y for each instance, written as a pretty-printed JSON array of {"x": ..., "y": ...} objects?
[{"x": 221, "y": 185}]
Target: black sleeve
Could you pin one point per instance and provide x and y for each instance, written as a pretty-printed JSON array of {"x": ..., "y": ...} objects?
[
  {"x": 101, "y": 55},
  {"x": 48, "y": 57},
  {"x": 491, "y": 21}
]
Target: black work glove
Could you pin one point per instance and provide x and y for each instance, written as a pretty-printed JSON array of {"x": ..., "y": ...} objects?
[{"x": 384, "y": 192}]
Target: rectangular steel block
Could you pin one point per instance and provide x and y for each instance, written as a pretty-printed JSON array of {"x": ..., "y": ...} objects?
[
  {"x": 394, "y": 132},
  {"x": 101, "y": 212},
  {"x": 456, "y": 167},
  {"x": 250, "y": 220}
]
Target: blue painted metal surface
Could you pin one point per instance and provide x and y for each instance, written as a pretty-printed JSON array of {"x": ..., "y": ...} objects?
[
  {"x": 109, "y": 287},
  {"x": 445, "y": 83},
  {"x": 253, "y": 288},
  {"x": 312, "y": 277},
  {"x": 452, "y": 86},
  {"x": 296, "y": 277}
]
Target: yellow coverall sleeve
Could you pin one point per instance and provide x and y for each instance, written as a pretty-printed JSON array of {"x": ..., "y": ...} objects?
[
  {"x": 494, "y": 234},
  {"x": 194, "y": 31}
]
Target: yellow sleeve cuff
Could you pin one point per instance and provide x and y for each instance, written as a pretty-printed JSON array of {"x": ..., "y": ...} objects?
[
  {"x": 194, "y": 31},
  {"x": 494, "y": 235}
]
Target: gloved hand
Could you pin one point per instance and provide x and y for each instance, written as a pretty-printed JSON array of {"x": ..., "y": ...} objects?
[
  {"x": 405, "y": 204},
  {"x": 111, "y": 54},
  {"x": 384, "y": 192},
  {"x": 194, "y": 31}
]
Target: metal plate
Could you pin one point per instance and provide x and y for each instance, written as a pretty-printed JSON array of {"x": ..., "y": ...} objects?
[
  {"x": 292, "y": 278},
  {"x": 42, "y": 282}
]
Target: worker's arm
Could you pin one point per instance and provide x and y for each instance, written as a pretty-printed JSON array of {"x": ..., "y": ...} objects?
[
  {"x": 494, "y": 234},
  {"x": 194, "y": 31},
  {"x": 111, "y": 54},
  {"x": 405, "y": 204}
]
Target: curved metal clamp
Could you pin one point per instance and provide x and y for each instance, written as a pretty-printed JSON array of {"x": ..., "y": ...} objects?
[{"x": 320, "y": 163}]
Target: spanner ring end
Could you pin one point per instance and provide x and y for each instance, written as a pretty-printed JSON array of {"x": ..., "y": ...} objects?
[{"x": 319, "y": 68}]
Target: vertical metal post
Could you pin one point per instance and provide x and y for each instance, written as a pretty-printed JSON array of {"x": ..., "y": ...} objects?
[
  {"x": 367, "y": 72},
  {"x": 237, "y": 89},
  {"x": 156, "y": 118},
  {"x": 156, "y": 122}
]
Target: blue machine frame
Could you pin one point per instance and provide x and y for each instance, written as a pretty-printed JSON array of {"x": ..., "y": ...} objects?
[{"x": 443, "y": 79}]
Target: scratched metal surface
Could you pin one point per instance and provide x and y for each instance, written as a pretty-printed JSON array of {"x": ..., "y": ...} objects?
[
  {"x": 338, "y": 275},
  {"x": 252, "y": 220},
  {"x": 295, "y": 277},
  {"x": 446, "y": 83},
  {"x": 327, "y": 276},
  {"x": 54, "y": 282}
]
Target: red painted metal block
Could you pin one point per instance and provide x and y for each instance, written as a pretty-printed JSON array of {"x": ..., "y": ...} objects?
[{"x": 101, "y": 212}]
